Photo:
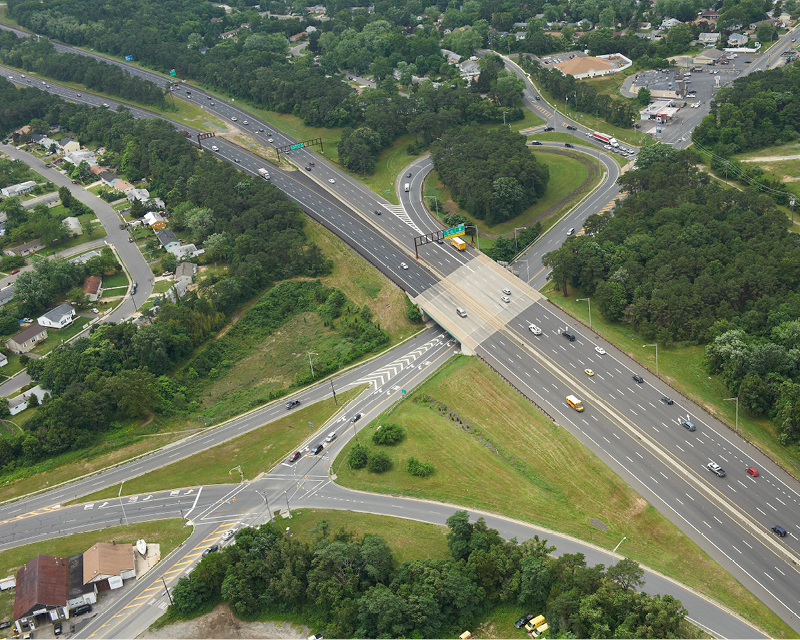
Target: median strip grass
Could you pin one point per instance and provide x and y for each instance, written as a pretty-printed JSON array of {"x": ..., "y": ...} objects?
[{"x": 493, "y": 450}]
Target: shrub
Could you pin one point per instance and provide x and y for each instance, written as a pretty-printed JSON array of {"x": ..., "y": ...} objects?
[
  {"x": 419, "y": 468},
  {"x": 358, "y": 456},
  {"x": 389, "y": 434},
  {"x": 378, "y": 462}
]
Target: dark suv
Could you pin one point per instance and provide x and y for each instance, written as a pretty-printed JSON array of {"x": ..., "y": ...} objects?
[
  {"x": 571, "y": 128},
  {"x": 80, "y": 610},
  {"x": 779, "y": 530},
  {"x": 568, "y": 336},
  {"x": 292, "y": 404},
  {"x": 317, "y": 449},
  {"x": 549, "y": 129}
]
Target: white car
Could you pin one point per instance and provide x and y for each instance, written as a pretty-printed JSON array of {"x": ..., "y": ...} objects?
[
  {"x": 505, "y": 299},
  {"x": 245, "y": 122},
  {"x": 331, "y": 180},
  {"x": 228, "y": 534},
  {"x": 535, "y": 330},
  {"x": 215, "y": 148},
  {"x": 607, "y": 147},
  {"x": 507, "y": 291},
  {"x": 95, "y": 310},
  {"x": 269, "y": 140},
  {"x": 234, "y": 118},
  {"x": 600, "y": 350},
  {"x": 403, "y": 265}
]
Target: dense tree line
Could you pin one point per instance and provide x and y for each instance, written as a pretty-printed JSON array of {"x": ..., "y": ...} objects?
[
  {"x": 760, "y": 110},
  {"x": 21, "y": 105},
  {"x": 350, "y": 587},
  {"x": 491, "y": 174},
  {"x": 583, "y": 96},
  {"x": 40, "y": 57},
  {"x": 682, "y": 256}
]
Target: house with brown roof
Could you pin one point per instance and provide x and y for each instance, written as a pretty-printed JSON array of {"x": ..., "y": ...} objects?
[
  {"x": 587, "y": 67},
  {"x": 93, "y": 288},
  {"x": 106, "y": 565},
  {"x": 27, "y": 339},
  {"x": 41, "y": 589}
]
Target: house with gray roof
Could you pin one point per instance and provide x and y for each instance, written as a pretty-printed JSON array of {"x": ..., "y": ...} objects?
[
  {"x": 168, "y": 239},
  {"x": 58, "y": 318}
]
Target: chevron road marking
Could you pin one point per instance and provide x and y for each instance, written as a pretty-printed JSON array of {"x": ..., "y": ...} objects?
[
  {"x": 386, "y": 373},
  {"x": 399, "y": 211}
]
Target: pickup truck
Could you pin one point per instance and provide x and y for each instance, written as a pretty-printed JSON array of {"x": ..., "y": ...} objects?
[{"x": 715, "y": 468}]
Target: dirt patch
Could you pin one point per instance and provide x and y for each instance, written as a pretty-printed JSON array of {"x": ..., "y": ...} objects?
[{"x": 221, "y": 623}]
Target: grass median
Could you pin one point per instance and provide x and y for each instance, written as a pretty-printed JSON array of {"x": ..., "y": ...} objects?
[{"x": 493, "y": 450}]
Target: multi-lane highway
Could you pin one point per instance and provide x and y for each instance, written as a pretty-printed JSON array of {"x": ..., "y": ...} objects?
[{"x": 624, "y": 422}]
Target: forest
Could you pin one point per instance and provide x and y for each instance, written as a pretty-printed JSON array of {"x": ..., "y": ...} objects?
[
  {"x": 760, "y": 110},
  {"x": 491, "y": 174},
  {"x": 351, "y": 587},
  {"x": 685, "y": 260}
]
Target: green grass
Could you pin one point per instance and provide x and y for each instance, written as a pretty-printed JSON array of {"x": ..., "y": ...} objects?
[
  {"x": 117, "y": 280},
  {"x": 531, "y": 119},
  {"x": 256, "y": 451},
  {"x": 682, "y": 368},
  {"x": 55, "y": 336},
  {"x": 409, "y": 540},
  {"x": 390, "y": 163},
  {"x": 790, "y": 149},
  {"x": 167, "y": 533},
  {"x": 162, "y": 286},
  {"x": 494, "y": 439},
  {"x": 114, "y": 291}
]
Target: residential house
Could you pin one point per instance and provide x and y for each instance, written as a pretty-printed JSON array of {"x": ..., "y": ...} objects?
[
  {"x": 82, "y": 155},
  {"x": 709, "y": 15},
  {"x": 737, "y": 40},
  {"x": 108, "y": 178},
  {"x": 93, "y": 288},
  {"x": 27, "y": 339},
  {"x": 18, "y": 189},
  {"x": 181, "y": 252},
  {"x": 85, "y": 257},
  {"x": 185, "y": 272},
  {"x": 177, "y": 291},
  {"x": 298, "y": 36},
  {"x": 669, "y": 23},
  {"x": 3, "y": 360},
  {"x": 707, "y": 39},
  {"x": 228, "y": 34},
  {"x": 19, "y": 403},
  {"x": 73, "y": 225},
  {"x": 138, "y": 194},
  {"x": 6, "y": 295},
  {"x": 25, "y": 249},
  {"x": 451, "y": 56},
  {"x": 216, "y": 19},
  {"x": 708, "y": 56},
  {"x": 123, "y": 186},
  {"x": 168, "y": 239},
  {"x": 469, "y": 69},
  {"x": 104, "y": 562},
  {"x": 58, "y": 318},
  {"x": 69, "y": 144},
  {"x": 45, "y": 142},
  {"x": 155, "y": 220}
]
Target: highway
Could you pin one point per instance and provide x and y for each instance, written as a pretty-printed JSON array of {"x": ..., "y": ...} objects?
[{"x": 624, "y": 423}]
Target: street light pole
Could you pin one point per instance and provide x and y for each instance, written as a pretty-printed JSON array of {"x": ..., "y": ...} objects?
[
  {"x": 436, "y": 200},
  {"x": 620, "y": 542},
  {"x": 589, "y": 300},
  {"x": 737, "y": 412},
  {"x": 119, "y": 495},
  {"x": 311, "y": 353},
  {"x": 516, "y": 248},
  {"x": 656, "y": 346}
]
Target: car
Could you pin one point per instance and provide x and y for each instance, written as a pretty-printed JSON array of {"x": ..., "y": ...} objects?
[
  {"x": 588, "y": 372},
  {"x": 74, "y": 182},
  {"x": 535, "y": 330},
  {"x": 570, "y": 231},
  {"x": 569, "y": 336},
  {"x": 607, "y": 147},
  {"x": 15, "y": 272},
  {"x": 291, "y": 404},
  {"x": 666, "y": 400},
  {"x": 752, "y": 471},
  {"x": 403, "y": 265},
  {"x": 793, "y": 39},
  {"x": 748, "y": 61},
  {"x": 27, "y": 320},
  {"x": 568, "y": 145},
  {"x": 332, "y": 180},
  {"x": 536, "y": 143},
  {"x": 270, "y": 140},
  {"x": 229, "y": 534},
  {"x": 212, "y": 549},
  {"x": 356, "y": 418},
  {"x": 122, "y": 225},
  {"x": 715, "y": 468},
  {"x": 331, "y": 437},
  {"x": 245, "y": 122},
  {"x": 571, "y": 128},
  {"x": 294, "y": 457},
  {"x": 208, "y": 97},
  {"x": 537, "y": 97},
  {"x": 212, "y": 104},
  {"x": 58, "y": 629},
  {"x": 237, "y": 161},
  {"x": 688, "y": 425},
  {"x": 549, "y": 129},
  {"x": 316, "y": 449},
  {"x": 779, "y": 530},
  {"x": 311, "y": 163},
  {"x": 505, "y": 299},
  {"x": 507, "y": 291},
  {"x": 234, "y": 118},
  {"x": 308, "y": 168},
  {"x": 524, "y": 620},
  {"x": 134, "y": 287},
  {"x": 130, "y": 239},
  {"x": 79, "y": 95},
  {"x": 94, "y": 310},
  {"x": 440, "y": 241},
  {"x": 261, "y": 130},
  {"x": 215, "y": 148},
  {"x": 637, "y": 378},
  {"x": 316, "y": 636},
  {"x": 81, "y": 609},
  {"x": 600, "y": 350},
  {"x": 408, "y": 175}
]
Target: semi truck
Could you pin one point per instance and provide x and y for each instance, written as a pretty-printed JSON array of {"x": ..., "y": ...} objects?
[
  {"x": 458, "y": 243},
  {"x": 602, "y": 137},
  {"x": 264, "y": 173}
]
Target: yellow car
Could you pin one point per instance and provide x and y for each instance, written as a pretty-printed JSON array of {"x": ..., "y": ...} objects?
[{"x": 589, "y": 372}]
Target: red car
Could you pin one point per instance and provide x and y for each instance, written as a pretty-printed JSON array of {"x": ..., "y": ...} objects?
[
  {"x": 295, "y": 456},
  {"x": 79, "y": 95},
  {"x": 752, "y": 471},
  {"x": 14, "y": 271}
]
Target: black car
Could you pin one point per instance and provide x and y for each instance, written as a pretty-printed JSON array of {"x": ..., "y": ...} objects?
[
  {"x": 549, "y": 129},
  {"x": 667, "y": 400},
  {"x": 408, "y": 175},
  {"x": 568, "y": 336},
  {"x": 637, "y": 378},
  {"x": 568, "y": 145},
  {"x": 292, "y": 403},
  {"x": 80, "y": 610},
  {"x": 57, "y": 629},
  {"x": 122, "y": 225},
  {"x": 537, "y": 97},
  {"x": 536, "y": 143},
  {"x": 212, "y": 549},
  {"x": 524, "y": 620},
  {"x": 317, "y": 449},
  {"x": 571, "y": 128},
  {"x": 779, "y": 530},
  {"x": 356, "y": 418},
  {"x": 377, "y": 212},
  {"x": 134, "y": 286},
  {"x": 308, "y": 168}
]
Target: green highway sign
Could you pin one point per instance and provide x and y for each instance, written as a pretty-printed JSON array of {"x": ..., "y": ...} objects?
[
  {"x": 297, "y": 146},
  {"x": 172, "y": 72},
  {"x": 454, "y": 231}
]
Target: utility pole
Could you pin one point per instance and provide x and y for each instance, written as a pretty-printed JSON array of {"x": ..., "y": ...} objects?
[
  {"x": 334, "y": 394},
  {"x": 167, "y": 590}
]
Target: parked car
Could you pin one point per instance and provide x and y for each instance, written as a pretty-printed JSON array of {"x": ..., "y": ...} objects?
[
  {"x": 134, "y": 287},
  {"x": 81, "y": 609},
  {"x": 524, "y": 620},
  {"x": 58, "y": 629},
  {"x": 14, "y": 272}
]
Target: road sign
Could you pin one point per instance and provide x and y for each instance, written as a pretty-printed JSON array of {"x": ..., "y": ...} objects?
[
  {"x": 129, "y": 58},
  {"x": 454, "y": 231},
  {"x": 299, "y": 145},
  {"x": 172, "y": 72}
]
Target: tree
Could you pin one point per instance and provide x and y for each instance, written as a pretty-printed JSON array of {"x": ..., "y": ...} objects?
[
  {"x": 627, "y": 574},
  {"x": 77, "y": 297},
  {"x": 643, "y": 96},
  {"x": 65, "y": 196},
  {"x": 766, "y": 32},
  {"x": 459, "y": 536},
  {"x": 169, "y": 262},
  {"x": 607, "y": 18},
  {"x": 134, "y": 391},
  {"x": 378, "y": 462},
  {"x": 358, "y": 456}
]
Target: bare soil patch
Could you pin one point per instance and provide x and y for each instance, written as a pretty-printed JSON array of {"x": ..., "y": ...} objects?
[{"x": 221, "y": 623}]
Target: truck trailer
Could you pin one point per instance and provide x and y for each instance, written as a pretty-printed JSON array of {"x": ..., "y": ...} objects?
[
  {"x": 602, "y": 137},
  {"x": 263, "y": 173}
]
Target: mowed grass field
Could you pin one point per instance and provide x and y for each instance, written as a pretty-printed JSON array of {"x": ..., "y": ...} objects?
[
  {"x": 493, "y": 450},
  {"x": 167, "y": 533},
  {"x": 255, "y": 451}
]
